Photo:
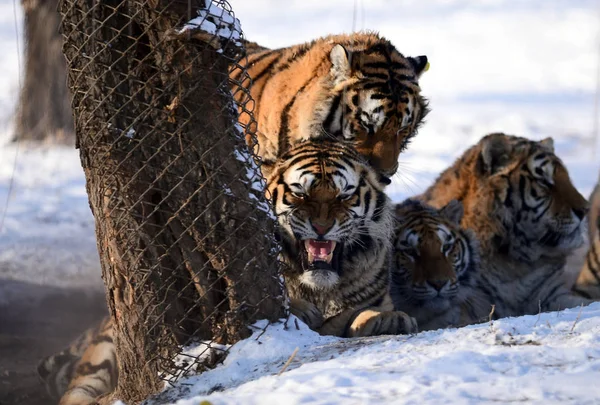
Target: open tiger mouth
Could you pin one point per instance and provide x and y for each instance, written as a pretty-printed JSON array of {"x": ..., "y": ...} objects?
[
  {"x": 319, "y": 250},
  {"x": 321, "y": 255}
]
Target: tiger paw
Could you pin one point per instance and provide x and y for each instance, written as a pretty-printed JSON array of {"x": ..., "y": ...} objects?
[
  {"x": 374, "y": 323},
  {"x": 307, "y": 312}
]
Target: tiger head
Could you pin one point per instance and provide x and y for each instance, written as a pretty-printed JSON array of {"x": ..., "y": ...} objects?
[
  {"x": 331, "y": 209},
  {"x": 435, "y": 261},
  {"x": 537, "y": 212},
  {"x": 377, "y": 100}
]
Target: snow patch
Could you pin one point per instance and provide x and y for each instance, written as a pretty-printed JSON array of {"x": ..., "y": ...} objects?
[
  {"x": 550, "y": 358},
  {"x": 216, "y": 21}
]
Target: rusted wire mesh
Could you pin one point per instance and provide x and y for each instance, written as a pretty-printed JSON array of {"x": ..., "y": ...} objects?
[{"x": 184, "y": 231}]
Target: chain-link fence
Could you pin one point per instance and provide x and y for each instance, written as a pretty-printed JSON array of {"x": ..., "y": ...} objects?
[{"x": 183, "y": 229}]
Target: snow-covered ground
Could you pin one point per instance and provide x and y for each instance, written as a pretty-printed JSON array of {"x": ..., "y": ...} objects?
[
  {"x": 548, "y": 359},
  {"x": 520, "y": 66}
]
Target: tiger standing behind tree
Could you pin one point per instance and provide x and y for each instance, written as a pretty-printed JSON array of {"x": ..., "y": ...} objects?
[
  {"x": 335, "y": 229},
  {"x": 527, "y": 215},
  {"x": 588, "y": 281},
  {"x": 355, "y": 87},
  {"x": 436, "y": 266}
]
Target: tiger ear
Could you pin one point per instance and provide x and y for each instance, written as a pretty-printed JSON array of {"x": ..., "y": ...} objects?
[
  {"x": 409, "y": 205},
  {"x": 419, "y": 64},
  {"x": 548, "y": 143},
  {"x": 453, "y": 211},
  {"x": 495, "y": 153},
  {"x": 340, "y": 69}
]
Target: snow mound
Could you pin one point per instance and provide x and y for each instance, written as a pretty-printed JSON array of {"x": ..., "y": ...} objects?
[{"x": 543, "y": 359}]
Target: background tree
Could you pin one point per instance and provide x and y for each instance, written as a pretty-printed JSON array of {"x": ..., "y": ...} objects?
[{"x": 43, "y": 111}]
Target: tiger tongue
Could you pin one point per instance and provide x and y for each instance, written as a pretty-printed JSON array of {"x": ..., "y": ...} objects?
[{"x": 319, "y": 250}]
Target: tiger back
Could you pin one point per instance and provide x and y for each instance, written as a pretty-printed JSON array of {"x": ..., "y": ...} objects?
[
  {"x": 435, "y": 267},
  {"x": 527, "y": 215},
  {"x": 335, "y": 226},
  {"x": 355, "y": 87},
  {"x": 588, "y": 281}
]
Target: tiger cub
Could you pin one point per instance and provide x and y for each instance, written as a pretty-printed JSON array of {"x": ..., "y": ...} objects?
[
  {"x": 335, "y": 230},
  {"x": 435, "y": 267},
  {"x": 588, "y": 282},
  {"x": 354, "y": 87},
  {"x": 527, "y": 215}
]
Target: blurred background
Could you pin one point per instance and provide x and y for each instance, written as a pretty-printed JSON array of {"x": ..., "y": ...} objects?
[{"x": 524, "y": 67}]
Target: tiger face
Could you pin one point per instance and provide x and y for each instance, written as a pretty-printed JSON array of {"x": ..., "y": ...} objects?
[
  {"x": 435, "y": 261},
  {"x": 331, "y": 209},
  {"x": 540, "y": 212},
  {"x": 380, "y": 105}
]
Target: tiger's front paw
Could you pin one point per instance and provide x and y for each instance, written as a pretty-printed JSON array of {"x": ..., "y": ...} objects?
[
  {"x": 307, "y": 312},
  {"x": 374, "y": 323}
]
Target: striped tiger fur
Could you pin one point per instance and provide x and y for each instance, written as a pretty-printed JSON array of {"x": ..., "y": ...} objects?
[
  {"x": 84, "y": 370},
  {"x": 355, "y": 87},
  {"x": 336, "y": 225},
  {"x": 588, "y": 281},
  {"x": 436, "y": 267},
  {"x": 527, "y": 215},
  {"x": 335, "y": 230}
]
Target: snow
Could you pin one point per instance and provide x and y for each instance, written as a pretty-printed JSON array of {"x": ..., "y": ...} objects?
[
  {"x": 545, "y": 359},
  {"x": 217, "y": 21},
  {"x": 520, "y": 66},
  {"x": 47, "y": 235}
]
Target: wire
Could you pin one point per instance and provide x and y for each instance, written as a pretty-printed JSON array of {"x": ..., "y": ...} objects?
[{"x": 18, "y": 140}]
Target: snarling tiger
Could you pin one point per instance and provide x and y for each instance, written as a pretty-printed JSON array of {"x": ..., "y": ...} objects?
[
  {"x": 354, "y": 87},
  {"x": 527, "y": 215},
  {"x": 336, "y": 225},
  {"x": 588, "y": 281},
  {"x": 336, "y": 228},
  {"x": 435, "y": 267}
]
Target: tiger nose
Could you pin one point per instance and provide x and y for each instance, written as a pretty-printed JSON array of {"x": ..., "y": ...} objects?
[
  {"x": 321, "y": 227},
  {"x": 437, "y": 284}
]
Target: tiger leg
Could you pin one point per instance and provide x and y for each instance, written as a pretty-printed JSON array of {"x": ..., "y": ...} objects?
[
  {"x": 563, "y": 300},
  {"x": 370, "y": 321},
  {"x": 96, "y": 373},
  {"x": 307, "y": 312}
]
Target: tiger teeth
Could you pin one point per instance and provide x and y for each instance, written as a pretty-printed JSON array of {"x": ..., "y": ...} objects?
[{"x": 314, "y": 252}]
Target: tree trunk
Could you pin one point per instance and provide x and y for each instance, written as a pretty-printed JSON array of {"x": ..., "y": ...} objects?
[
  {"x": 44, "y": 110},
  {"x": 185, "y": 245}
]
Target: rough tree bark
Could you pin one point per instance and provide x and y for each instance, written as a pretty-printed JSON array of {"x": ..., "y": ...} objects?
[
  {"x": 185, "y": 248},
  {"x": 44, "y": 110}
]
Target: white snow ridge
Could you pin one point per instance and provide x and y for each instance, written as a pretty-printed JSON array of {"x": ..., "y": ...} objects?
[{"x": 545, "y": 359}]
